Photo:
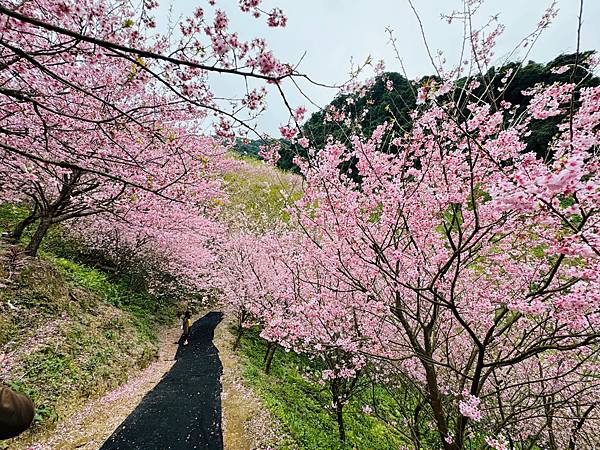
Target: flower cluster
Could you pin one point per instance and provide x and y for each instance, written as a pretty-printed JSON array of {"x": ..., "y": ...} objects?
[{"x": 469, "y": 406}]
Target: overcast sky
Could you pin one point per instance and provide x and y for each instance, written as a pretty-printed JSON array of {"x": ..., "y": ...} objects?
[{"x": 331, "y": 33}]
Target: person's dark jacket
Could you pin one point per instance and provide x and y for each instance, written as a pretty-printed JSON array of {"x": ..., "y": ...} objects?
[
  {"x": 186, "y": 324},
  {"x": 16, "y": 413}
]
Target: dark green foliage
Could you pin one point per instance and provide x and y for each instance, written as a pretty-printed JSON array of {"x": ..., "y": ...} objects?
[
  {"x": 247, "y": 147},
  {"x": 382, "y": 105},
  {"x": 250, "y": 148},
  {"x": 526, "y": 77},
  {"x": 395, "y": 106}
]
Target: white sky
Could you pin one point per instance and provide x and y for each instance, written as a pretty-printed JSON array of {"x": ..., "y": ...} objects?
[{"x": 332, "y": 32}]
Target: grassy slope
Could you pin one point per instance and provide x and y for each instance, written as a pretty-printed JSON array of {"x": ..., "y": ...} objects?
[
  {"x": 259, "y": 193},
  {"x": 69, "y": 332},
  {"x": 300, "y": 403}
]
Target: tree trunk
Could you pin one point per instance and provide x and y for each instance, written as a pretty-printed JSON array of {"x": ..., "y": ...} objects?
[
  {"x": 550, "y": 424},
  {"x": 38, "y": 237},
  {"x": 267, "y": 352},
  {"x": 269, "y": 357},
  {"x": 269, "y": 345},
  {"x": 18, "y": 230},
  {"x": 339, "y": 416},
  {"x": 238, "y": 338},
  {"x": 579, "y": 426},
  {"x": 415, "y": 429},
  {"x": 435, "y": 401}
]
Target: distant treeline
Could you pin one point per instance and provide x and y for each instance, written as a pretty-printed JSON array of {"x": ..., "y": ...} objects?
[{"x": 381, "y": 104}]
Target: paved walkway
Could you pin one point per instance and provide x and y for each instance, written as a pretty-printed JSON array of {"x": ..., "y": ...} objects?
[{"x": 184, "y": 410}]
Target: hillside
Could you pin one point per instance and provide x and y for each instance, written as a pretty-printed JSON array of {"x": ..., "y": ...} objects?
[
  {"x": 258, "y": 194},
  {"x": 391, "y": 97},
  {"x": 412, "y": 262},
  {"x": 69, "y": 333}
]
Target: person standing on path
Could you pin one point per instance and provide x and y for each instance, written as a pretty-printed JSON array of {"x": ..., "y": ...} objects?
[{"x": 186, "y": 326}]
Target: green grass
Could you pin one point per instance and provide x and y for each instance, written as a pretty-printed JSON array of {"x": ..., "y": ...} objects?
[
  {"x": 260, "y": 193},
  {"x": 147, "y": 311},
  {"x": 300, "y": 404},
  {"x": 11, "y": 214},
  {"x": 67, "y": 340}
]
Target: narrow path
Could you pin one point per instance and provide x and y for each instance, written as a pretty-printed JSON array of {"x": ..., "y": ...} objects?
[{"x": 183, "y": 411}]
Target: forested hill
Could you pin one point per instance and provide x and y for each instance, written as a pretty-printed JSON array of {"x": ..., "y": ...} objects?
[{"x": 391, "y": 97}]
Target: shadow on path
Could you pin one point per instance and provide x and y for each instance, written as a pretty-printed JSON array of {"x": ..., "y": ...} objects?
[{"x": 183, "y": 411}]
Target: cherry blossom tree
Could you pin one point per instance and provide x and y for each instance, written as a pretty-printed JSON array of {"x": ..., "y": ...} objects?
[
  {"x": 475, "y": 260},
  {"x": 271, "y": 281},
  {"x": 485, "y": 256},
  {"x": 165, "y": 237},
  {"x": 96, "y": 104},
  {"x": 255, "y": 284},
  {"x": 331, "y": 322},
  {"x": 240, "y": 286}
]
